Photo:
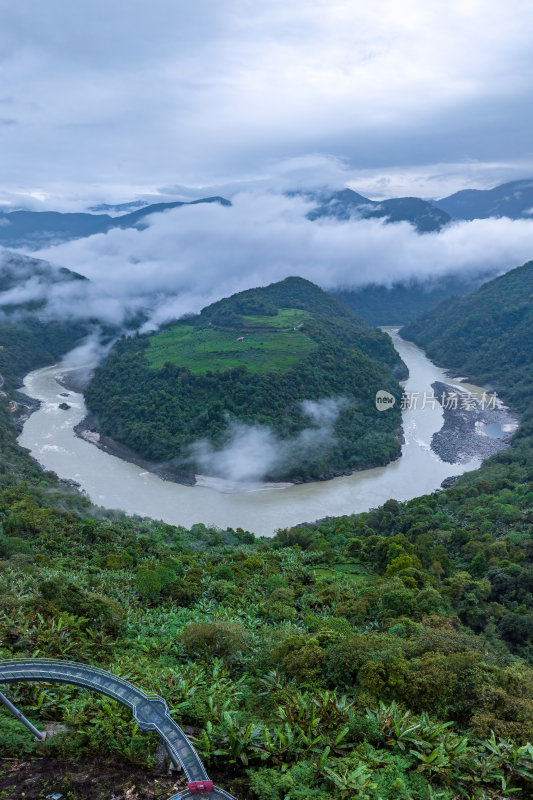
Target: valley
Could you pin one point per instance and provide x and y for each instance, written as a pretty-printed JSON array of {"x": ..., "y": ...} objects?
[
  {"x": 363, "y": 614},
  {"x": 356, "y": 591}
]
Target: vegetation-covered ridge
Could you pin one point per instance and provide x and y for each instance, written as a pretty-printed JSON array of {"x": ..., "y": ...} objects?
[
  {"x": 370, "y": 654},
  {"x": 36, "y": 229},
  {"x": 254, "y": 359},
  {"x": 26, "y": 344},
  {"x": 513, "y": 200},
  {"x": 487, "y": 335},
  {"x": 381, "y": 656}
]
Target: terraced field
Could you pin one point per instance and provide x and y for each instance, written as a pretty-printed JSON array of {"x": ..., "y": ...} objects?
[
  {"x": 265, "y": 344},
  {"x": 285, "y": 318}
]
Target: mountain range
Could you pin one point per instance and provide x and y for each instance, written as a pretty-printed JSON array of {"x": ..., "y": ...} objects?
[
  {"x": 513, "y": 200},
  {"x": 36, "y": 229},
  {"x": 347, "y": 204}
]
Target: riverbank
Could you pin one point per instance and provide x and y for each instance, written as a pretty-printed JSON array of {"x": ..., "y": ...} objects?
[
  {"x": 26, "y": 406},
  {"x": 75, "y": 380},
  {"x": 112, "y": 482},
  {"x": 88, "y": 429},
  {"x": 467, "y": 433},
  {"x": 472, "y": 428}
]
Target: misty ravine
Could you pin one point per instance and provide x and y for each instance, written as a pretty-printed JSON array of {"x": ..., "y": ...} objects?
[{"x": 260, "y": 508}]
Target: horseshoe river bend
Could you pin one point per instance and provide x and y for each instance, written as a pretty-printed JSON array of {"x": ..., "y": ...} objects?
[{"x": 114, "y": 483}]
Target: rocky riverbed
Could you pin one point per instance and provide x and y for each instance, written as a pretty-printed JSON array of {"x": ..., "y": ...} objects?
[{"x": 472, "y": 426}]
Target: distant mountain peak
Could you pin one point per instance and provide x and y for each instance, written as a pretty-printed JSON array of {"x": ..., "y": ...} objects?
[
  {"x": 118, "y": 208},
  {"x": 513, "y": 199},
  {"x": 36, "y": 229},
  {"x": 346, "y": 204}
]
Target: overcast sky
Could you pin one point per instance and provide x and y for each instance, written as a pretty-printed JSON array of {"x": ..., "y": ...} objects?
[{"x": 118, "y": 99}]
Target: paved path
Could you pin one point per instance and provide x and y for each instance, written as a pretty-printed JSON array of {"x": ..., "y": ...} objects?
[{"x": 150, "y": 711}]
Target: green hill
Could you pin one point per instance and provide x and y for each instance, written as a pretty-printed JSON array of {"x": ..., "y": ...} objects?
[
  {"x": 254, "y": 359},
  {"x": 488, "y": 335},
  {"x": 16, "y": 268},
  {"x": 25, "y": 281}
]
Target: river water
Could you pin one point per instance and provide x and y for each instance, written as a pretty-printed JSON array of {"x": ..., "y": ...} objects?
[{"x": 116, "y": 484}]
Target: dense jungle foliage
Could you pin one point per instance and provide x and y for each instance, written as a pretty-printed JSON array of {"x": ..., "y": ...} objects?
[
  {"x": 26, "y": 343},
  {"x": 488, "y": 335},
  {"x": 383, "y": 655},
  {"x": 254, "y": 359}
]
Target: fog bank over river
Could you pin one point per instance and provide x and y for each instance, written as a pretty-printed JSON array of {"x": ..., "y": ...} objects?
[{"x": 116, "y": 484}]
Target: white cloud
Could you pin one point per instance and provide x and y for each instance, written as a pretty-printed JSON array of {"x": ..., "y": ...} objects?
[
  {"x": 194, "y": 255},
  {"x": 252, "y": 452},
  {"x": 102, "y": 100}
]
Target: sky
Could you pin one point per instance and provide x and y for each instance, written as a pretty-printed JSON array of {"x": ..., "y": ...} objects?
[{"x": 110, "y": 101}]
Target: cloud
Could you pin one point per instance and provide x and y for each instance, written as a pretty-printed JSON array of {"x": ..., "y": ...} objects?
[
  {"x": 254, "y": 452},
  {"x": 109, "y": 103},
  {"x": 88, "y": 353},
  {"x": 32, "y": 289},
  {"x": 324, "y": 412},
  {"x": 194, "y": 255}
]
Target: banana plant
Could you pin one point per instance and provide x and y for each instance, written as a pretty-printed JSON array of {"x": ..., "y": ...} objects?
[
  {"x": 231, "y": 741},
  {"x": 437, "y": 762},
  {"x": 516, "y": 760},
  {"x": 350, "y": 784},
  {"x": 400, "y": 728}
]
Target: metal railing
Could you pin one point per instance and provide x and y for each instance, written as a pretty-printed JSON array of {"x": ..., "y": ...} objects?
[{"x": 149, "y": 711}]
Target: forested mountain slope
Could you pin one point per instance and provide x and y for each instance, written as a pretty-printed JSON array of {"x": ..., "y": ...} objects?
[
  {"x": 257, "y": 358},
  {"x": 488, "y": 335},
  {"x": 345, "y": 204},
  {"x": 404, "y": 301},
  {"x": 25, "y": 282}
]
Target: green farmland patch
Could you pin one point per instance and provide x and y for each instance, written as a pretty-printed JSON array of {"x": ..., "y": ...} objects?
[
  {"x": 204, "y": 349},
  {"x": 285, "y": 318}
]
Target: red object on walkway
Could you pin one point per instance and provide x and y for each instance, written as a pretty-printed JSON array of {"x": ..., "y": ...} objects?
[{"x": 200, "y": 787}]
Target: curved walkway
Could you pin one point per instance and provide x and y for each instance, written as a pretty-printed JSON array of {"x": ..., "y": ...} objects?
[{"x": 150, "y": 711}]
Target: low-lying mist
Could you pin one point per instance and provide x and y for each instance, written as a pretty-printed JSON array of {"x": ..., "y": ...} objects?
[
  {"x": 188, "y": 257},
  {"x": 252, "y": 452}
]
